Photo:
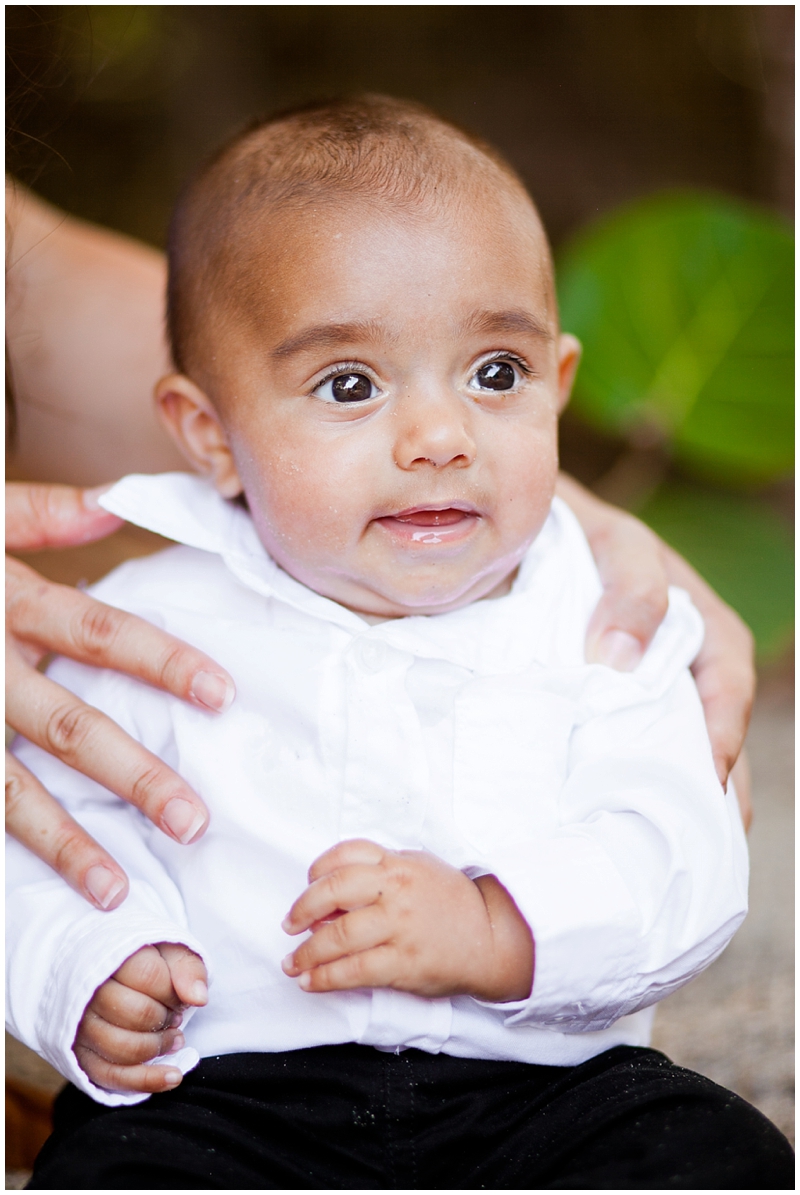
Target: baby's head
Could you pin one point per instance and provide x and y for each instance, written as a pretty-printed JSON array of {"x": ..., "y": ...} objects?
[{"x": 363, "y": 319}]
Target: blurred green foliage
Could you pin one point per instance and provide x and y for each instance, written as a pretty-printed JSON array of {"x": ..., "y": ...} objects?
[
  {"x": 742, "y": 549},
  {"x": 684, "y": 305}
]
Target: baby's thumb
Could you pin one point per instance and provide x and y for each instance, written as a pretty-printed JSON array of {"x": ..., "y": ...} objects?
[{"x": 188, "y": 973}]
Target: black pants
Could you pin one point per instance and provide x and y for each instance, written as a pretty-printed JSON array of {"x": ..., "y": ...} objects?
[{"x": 350, "y": 1117}]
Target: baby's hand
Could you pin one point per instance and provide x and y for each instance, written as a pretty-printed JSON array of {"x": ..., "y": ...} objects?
[
  {"x": 135, "y": 1016},
  {"x": 407, "y": 920}
]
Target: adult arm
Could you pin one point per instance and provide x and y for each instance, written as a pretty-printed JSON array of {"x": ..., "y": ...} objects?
[{"x": 86, "y": 346}]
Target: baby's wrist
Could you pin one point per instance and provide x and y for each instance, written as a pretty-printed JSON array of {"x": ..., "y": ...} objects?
[{"x": 509, "y": 975}]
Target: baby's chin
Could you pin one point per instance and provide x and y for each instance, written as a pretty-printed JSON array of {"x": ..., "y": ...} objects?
[{"x": 379, "y": 604}]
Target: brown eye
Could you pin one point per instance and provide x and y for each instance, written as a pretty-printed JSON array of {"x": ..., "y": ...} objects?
[
  {"x": 351, "y": 387},
  {"x": 496, "y": 375}
]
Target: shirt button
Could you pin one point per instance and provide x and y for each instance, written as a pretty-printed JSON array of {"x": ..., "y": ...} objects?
[{"x": 372, "y": 654}]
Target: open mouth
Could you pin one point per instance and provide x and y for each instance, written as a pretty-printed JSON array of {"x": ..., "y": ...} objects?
[{"x": 431, "y": 525}]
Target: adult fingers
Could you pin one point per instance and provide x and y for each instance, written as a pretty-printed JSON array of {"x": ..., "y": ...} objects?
[
  {"x": 46, "y": 829},
  {"x": 357, "y": 931},
  {"x": 724, "y": 670},
  {"x": 112, "y": 1077},
  {"x": 128, "y": 1009},
  {"x": 629, "y": 558},
  {"x": 345, "y": 888},
  {"x": 354, "y": 850},
  {"x": 53, "y": 516},
  {"x": 90, "y": 742},
  {"x": 64, "y": 620},
  {"x": 123, "y": 1046},
  {"x": 724, "y": 673},
  {"x": 635, "y": 598},
  {"x": 727, "y": 699},
  {"x": 740, "y": 775},
  {"x": 187, "y": 972}
]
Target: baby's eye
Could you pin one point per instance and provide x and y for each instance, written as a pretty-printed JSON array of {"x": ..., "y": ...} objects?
[
  {"x": 347, "y": 387},
  {"x": 495, "y": 375}
]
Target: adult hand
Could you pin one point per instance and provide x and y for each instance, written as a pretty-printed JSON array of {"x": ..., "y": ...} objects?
[
  {"x": 42, "y": 617},
  {"x": 636, "y": 568}
]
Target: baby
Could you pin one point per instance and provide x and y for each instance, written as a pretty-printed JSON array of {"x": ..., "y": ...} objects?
[{"x": 495, "y": 857}]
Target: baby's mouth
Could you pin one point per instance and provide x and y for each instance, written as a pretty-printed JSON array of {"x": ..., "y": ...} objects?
[
  {"x": 430, "y": 525},
  {"x": 433, "y": 518}
]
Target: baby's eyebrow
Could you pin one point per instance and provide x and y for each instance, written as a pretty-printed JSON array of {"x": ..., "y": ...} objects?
[
  {"x": 516, "y": 319},
  {"x": 324, "y": 336}
]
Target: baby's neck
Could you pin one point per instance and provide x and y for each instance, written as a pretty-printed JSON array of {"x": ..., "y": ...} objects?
[{"x": 500, "y": 590}]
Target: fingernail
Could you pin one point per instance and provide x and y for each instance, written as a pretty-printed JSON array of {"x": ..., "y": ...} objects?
[
  {"x": 198, "y": 992},
  {"x": 619, "y": 650},
  {"x": 213, "y": 691},
  {"x": 288, "y": 963},
  {"x": 172, "y": 1078},
  {"x": 178, "y": 1044},
  {"x": 286, "y": 924},
  {"x": 305, "y": 980},
  {"x": 182, "y": 819},
  {"x": 91, "y": 497},
  {"x": 102, "y": 884},
  {"x": 175, "y": 1019}
]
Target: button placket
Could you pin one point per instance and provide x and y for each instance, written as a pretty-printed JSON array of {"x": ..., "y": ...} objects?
[
  {"x": 372, "y": 654},
  {"x": 386, "y": 770}
]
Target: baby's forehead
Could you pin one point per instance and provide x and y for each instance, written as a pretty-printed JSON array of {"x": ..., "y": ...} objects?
[{"x": 500, "y": 230}]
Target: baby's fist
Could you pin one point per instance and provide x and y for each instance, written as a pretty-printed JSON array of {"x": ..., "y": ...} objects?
[{"x": 136, "y": 1016}]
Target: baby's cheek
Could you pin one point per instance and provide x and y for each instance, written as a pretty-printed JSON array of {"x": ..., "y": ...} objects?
[
  {"x": 297, "y": 521},
  {"x": 528, "y": 478}
]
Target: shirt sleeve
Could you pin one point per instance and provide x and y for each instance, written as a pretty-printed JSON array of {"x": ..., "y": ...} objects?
[
  {"x": 642, "y": 879},
  {"x": 60, "y": 949}
]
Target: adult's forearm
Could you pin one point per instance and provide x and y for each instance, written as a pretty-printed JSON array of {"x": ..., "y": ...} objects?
[{"x": 86, "y": 345}]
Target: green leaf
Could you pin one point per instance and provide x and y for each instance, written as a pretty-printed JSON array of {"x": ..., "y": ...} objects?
[
  {"x": 684, "y": 305},
  {"x": 742, "y": 548}
]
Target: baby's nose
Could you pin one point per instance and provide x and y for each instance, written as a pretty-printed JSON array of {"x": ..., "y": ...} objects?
[{"x": 434, "y": 431}]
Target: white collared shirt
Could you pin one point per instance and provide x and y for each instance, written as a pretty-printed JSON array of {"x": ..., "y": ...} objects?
[{"x": 480, "y": 735}]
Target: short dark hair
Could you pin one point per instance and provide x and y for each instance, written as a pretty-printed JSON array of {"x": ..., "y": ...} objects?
[{"x": 371, "y": 145}]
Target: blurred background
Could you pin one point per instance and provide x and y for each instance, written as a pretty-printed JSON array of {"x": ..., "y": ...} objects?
[{"x": 657, "y": 142}]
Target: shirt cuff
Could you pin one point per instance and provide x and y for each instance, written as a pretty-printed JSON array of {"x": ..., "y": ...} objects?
[
  {"x": 85, "y": 961},
  {"x": 585, "y": 959}
]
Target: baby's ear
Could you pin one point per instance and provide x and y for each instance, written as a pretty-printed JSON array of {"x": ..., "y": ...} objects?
[
  {"x": 569, "y": 355},
  {"x": 190, "y": 418}
]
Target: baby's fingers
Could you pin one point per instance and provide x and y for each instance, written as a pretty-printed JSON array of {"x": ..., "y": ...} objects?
[
  {"x": 377, "y": 968},
  {"x": 124, "y": 1046},
  {"x": 361, "y": 930},
  {"x": 344, "y": 854},
  {"x": 147, "y": 972},
  {"x": 343, "y": 889},
  {"x": 187, "y": 972},
  {"x": 122, "y": 1006},
  {"x": 112, "y": 1077}
]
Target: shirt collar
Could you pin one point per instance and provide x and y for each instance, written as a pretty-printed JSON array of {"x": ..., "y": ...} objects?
[{"x": 503, "y": 634}]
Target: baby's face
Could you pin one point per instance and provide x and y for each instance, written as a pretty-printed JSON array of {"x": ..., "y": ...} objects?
[{"x": 391, "y": 409}]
